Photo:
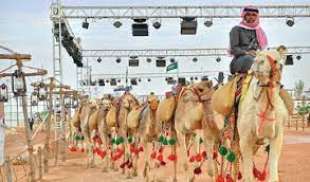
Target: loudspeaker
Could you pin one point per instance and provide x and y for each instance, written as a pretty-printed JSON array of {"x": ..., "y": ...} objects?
[
  {"x": 160, "y": 63},
  {"x": 113, "y": 82},
  {"x": 140, "y": 29},
  {"x": 101, "y": 82},
  {"x": 182, "y": 81},
  {"x": 289, "y": 60},
  {"x": 188, "y": 26},
  {"x": 133, "y": 62},
  {"x": 133, "y": 81}
]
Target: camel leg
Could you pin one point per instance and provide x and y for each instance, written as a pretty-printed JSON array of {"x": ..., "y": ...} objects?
[
  {"x": 174, "y": 152},
  {"x": 106, "y": 159},
  {"x": 135, "y": 163},
  {"x": 182, "y": 141},
  {"x": 146, "y": 162},
  {"x": 209, "y": 142},
  {"x": 274, "y": 155},
  {"x": 246, "y": 148}
]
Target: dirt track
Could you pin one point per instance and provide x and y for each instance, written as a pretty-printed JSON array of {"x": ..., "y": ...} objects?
[{"x": 294, "y": 164}]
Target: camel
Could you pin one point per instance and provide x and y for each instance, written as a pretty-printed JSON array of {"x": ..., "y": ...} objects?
[
  {"x": 142, "y": 126},
  {"x": 117, "y": 118},
  {"x": 262, "y": 113},
  {"x": 194, "y": 114}
]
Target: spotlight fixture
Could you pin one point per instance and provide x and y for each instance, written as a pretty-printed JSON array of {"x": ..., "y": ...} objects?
[
  {"x": 99, "y": 59},
  {"x": 101, "y": 82},
  {"x": 182, "y": 81},
  {"x": 290, "y": 21},
  {"x": 118, "y": 60},
  {"x": 157, "y": 24},
  {"x": 148, "y": 60},
  {"x": 148, "y": 79},
  {"x": 208, "y": 23},
  {"x": 133, "y": 81},
  {"x": 204, "y": 78},
  {"x": 218, "y": 59},
  {"x": 195, "y": 59},
  {"x": 172, "y": 60},
  {"x": 191, "y": 78},
  {"x": 139, "y": 79},
  {"x": 117, "y": 24},
  {"x": 119, "y": 80},
  {"x": 196, "y": 78},
  {"x": 298, "y": 57},
  {"x": 85, "y": 24},
  {"x": 188, "y": 26}
]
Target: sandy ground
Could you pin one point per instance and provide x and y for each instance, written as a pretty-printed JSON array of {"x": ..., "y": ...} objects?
[{"x": 294, "y": 163}]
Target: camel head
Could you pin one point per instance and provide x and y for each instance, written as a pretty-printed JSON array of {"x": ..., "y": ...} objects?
[
  {"x": 267, "y": 67},
  {"x": 92, "y": 103},
  {"x": 106, "y": 102},
  {"x": 153, "y": 102},
  {"x": 128, "y": 101}
]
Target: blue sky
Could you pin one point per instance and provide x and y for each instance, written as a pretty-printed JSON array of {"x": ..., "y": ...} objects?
[{"x": 25, "y": 27}]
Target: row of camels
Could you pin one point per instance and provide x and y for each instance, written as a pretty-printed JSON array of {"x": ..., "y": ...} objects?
[{"x": 188, "y": 113}]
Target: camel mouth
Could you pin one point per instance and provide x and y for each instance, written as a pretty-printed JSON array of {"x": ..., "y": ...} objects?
[{"x": 153, "y": 106}]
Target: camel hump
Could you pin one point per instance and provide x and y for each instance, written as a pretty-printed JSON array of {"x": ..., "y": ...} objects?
[
  {"x": 134, "y": 117},
  {"x": 223, "y": 98},
  {"x": 111, "y": 117},
  {"x": 166, "y": 109}
]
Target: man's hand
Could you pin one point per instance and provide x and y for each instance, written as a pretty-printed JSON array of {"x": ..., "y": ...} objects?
[{"x": 251, "y": 52}]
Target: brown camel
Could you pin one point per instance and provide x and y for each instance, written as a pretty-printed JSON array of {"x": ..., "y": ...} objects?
[{"x": 194, "y": 113}]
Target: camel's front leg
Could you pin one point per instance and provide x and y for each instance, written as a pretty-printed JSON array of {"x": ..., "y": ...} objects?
[
  {"x": 147, "y": 159},
  {"x": 209, "y": 142},
  {"x": 107, "y": 159},
  {"x": 246, "y": 148},
  {"x": 183, "y": 148},
  {"x": 274, "y": 155}
]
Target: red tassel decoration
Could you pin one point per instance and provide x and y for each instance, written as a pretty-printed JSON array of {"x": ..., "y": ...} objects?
[
  {"x": 172, "y": 157},
  {"x": 197, "y": 171},
  {"x": 153, "y": 155},
  {"x": 220, "y": 178},
  {"x": 229, "y": 178}
]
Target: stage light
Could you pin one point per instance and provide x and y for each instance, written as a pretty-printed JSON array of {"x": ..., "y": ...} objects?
[
  {"x": 195, "y": 59},
  {"x": 289, "y": 60},
  {"x": 101, "y": 82},
  {"x": 118, "y": 60},
  {"x": 220, "y": 77},
  {"x": 157, "y": 24},
  {"x": 117, "y": 24},
  {"x": 204, "y": 78},
  {"x": 99, "y": 59},
  {"x": 218, "y": 59},
  {"x": 148, "y": 79},
  {"x": 208, "y": 23},
  {"x": 85, "y": 24},
  {"x": 290, "y": 21},
  {"x": 298, "y": 57},
  {"x": 172, "y": 60},
  {"x": 148, "y": 60}
]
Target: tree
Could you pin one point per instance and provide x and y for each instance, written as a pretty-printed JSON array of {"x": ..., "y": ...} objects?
[{"x": 299, "y": 88}]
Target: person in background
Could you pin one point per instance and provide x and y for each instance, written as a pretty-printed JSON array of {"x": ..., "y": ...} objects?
[{"x": 245, "y": 39}]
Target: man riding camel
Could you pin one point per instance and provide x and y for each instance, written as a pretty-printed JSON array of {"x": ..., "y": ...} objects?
[{"x": 245, "y": 39}]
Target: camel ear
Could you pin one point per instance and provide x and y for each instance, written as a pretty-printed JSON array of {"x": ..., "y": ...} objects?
[{"x": 210, "y": 84}]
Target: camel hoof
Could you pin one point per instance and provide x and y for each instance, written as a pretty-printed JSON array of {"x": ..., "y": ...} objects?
[
  {"x": 135, "y": 174},
  {"x": 185, "y": 166},
  {"x": 105, "y": 170}
]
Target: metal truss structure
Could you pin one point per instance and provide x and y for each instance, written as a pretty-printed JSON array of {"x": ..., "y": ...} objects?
[
  {"x": 173, "y": 52},
  {"x": 60, "y": 14},
  {"x": 219, "y": 11}
]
